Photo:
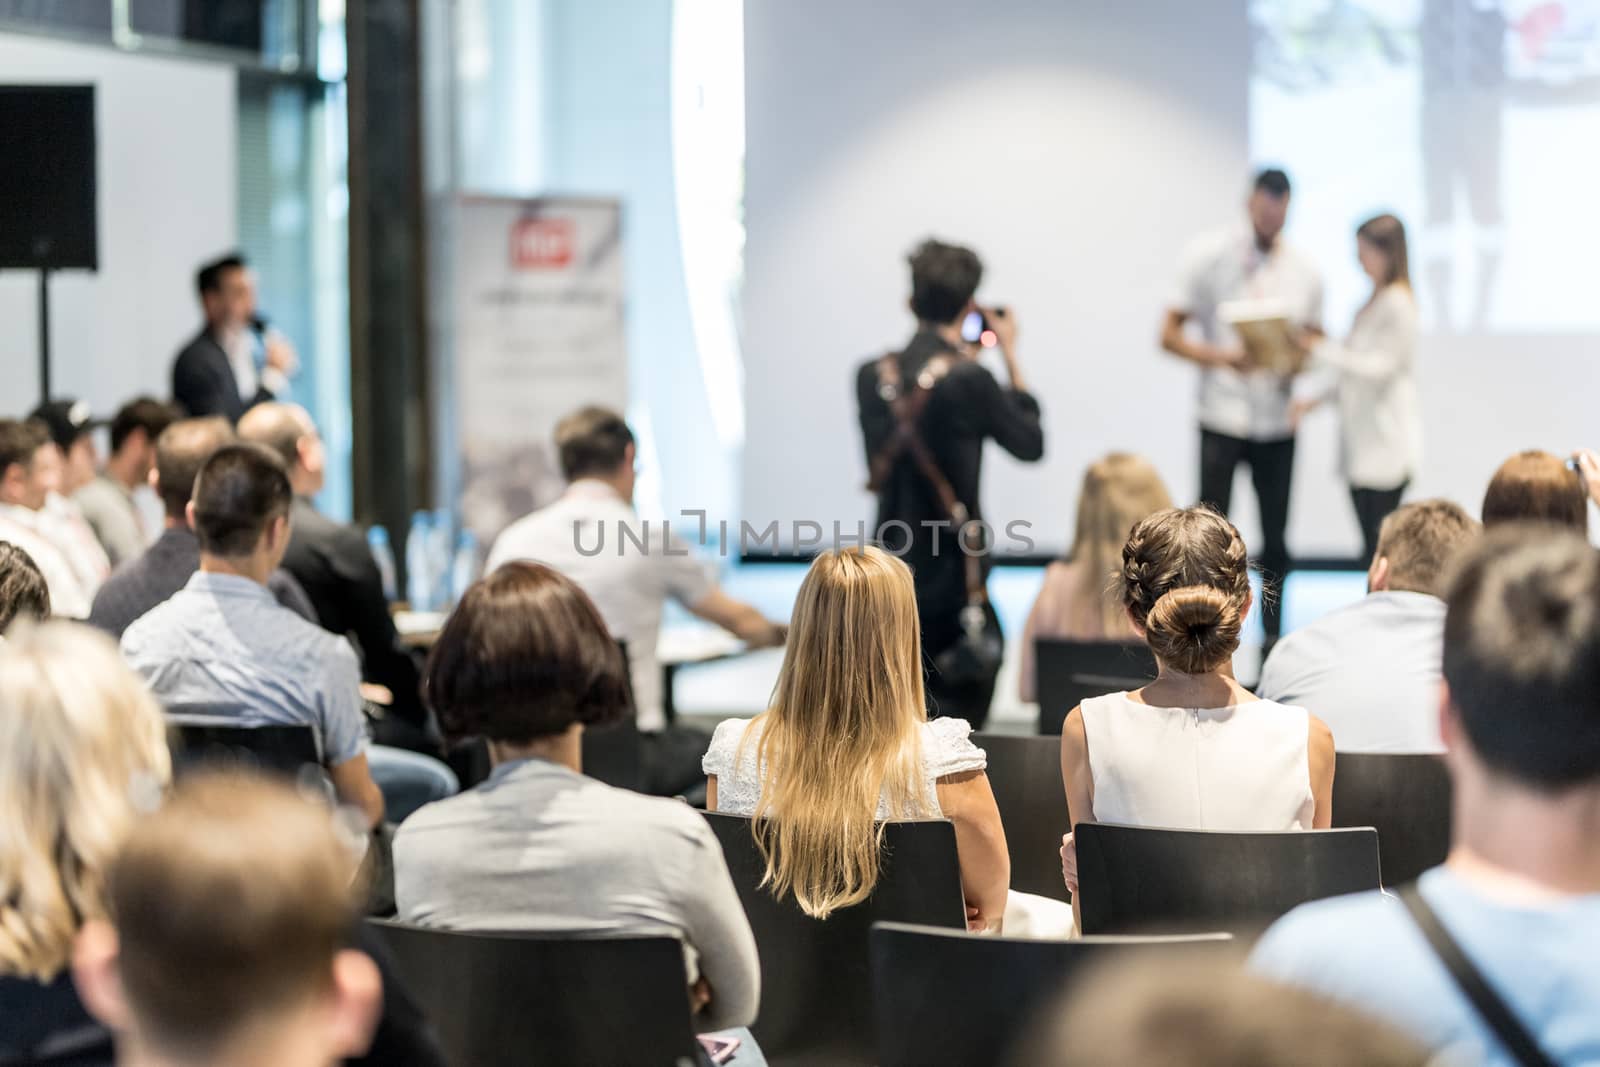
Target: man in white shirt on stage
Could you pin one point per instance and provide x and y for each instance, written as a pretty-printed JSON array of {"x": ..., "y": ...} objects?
[
  {"x": 1371, "y": 671},
  {"x": 591, "y": 535},
  {"x": 1245, "y": 410}
]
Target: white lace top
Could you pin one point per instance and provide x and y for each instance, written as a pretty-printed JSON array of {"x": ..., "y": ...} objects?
[{"x": 947, "y": 749}]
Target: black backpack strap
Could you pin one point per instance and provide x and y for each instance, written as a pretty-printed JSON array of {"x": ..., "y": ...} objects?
[{"x": 1489, "y": 1005}]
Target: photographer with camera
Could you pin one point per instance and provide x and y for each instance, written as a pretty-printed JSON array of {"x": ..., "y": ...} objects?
[{"x": 925, "y": 412}]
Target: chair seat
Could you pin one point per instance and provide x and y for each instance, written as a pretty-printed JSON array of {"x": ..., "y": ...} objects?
[{"x": 1138, "y": 879}]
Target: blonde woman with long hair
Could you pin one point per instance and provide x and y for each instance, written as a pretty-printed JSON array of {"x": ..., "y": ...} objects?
[
  {"x": 82, "y": 743},
  {"x": 846, "y": 745},
  {"x": 1078, "y": 599}
]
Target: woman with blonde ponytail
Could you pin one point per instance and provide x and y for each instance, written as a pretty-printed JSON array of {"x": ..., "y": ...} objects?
[
  {"x": 846, "y": 745},
  {"x": 1194, "y": 749}
]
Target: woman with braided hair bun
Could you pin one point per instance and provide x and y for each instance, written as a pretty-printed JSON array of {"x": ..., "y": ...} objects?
[{"x": 1194, "y": 749}]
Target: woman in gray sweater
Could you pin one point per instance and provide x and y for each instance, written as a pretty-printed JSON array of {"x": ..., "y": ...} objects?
[{"x": 526, "y": 663}]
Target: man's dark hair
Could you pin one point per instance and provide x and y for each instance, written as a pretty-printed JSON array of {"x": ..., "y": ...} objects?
[
  {"x": 240, "y": 490},
  {"x": 592, "y": 441},
  {"x": 1522, "y": 654},
  {"x": 142, "y": 413},
  {"x": 209, "y": 278},
  {"x": 943, "y": 279},
  {"x": 1273, "y": 182},
  {"x": 181, "y": 450},
  {"x": 19, "y": 440},
  {"x": 524, "y": 656},
  {"x": 23, "y": 593}
]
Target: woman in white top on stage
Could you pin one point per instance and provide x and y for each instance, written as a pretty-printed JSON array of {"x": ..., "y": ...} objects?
[
  {"x": 1194, "y": 749},
  {"x": 1373, "y": 374}
]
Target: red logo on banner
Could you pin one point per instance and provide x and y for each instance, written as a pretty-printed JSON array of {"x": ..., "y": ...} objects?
[{"x": 542, "y": 244}]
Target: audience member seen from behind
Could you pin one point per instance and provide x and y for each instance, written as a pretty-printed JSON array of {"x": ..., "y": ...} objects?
[
  {"x": 23, "y": 593},
  {"x": 334, "y": 565},
  {"x": 1520, "y": 890},
  {"x": 1372, "y": 669},
  {"x": 963, "y": 406},
  {"x": 222, "y": 646},
  {"x": 1374, "y": 378},
  {"x": 1193, "y": 750},
  {"x": 525, "y": 663},
  {"x": 75, "y": 458},
  {"x": 30, "y": 469},
  {"x": 1078, "y": 600},
  {"x": 1536, "y": 486},
  {"x": 592, "y": 535},
  {"x": 112, "y": 501},
  {"x": 168, "y": 564},
  {"x": 1179, "y": 1012},
  {"x": 227, "y": 949},
  {"x": 81, "y": 746},
  {"x": 847, "y": 743}
]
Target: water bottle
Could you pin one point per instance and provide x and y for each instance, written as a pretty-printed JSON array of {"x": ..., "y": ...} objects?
[
  {"x": 440, "y": 543},
  {"x": 419, "y": 571},
  {"x": 464, "y": 567},
  {"x": 383, "y": 555}
]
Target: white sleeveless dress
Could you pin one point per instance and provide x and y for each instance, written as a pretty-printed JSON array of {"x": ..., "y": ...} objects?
[{"x": 1237, "y": 768}]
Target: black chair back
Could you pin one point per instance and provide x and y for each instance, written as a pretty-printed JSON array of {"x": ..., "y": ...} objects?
[
  {"x": 816, "y": 988},
  {"x": 512, "y": 999},
  {"x": 213, "y": 742},
  {"x": 1406, "y": 798},
  {"x": 949, "y": 997},
  {"x": 1139, "y": 879},
  {"x": 1025, "y": 774},
  {"x": 1069, "y": 672}
]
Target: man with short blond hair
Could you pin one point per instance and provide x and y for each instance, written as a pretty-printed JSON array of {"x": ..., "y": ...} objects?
[
  {"x": 229, "y": 912},
  {"x": 1371, "y": 670}
]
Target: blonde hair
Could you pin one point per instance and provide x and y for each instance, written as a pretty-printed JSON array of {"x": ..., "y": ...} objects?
[
  {"x": 79, "y": 738},
  {"x": 843, "y": 730},
  {"x": 1118, "y": 490}
]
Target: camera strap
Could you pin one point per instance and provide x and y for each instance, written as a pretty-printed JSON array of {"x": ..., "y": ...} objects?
[{"x": 906, "y": 405}]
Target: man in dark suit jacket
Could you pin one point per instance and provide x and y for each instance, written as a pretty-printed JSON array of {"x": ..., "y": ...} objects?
[
  {"x": 216, "y": 373},
  {"x": 150, "y": 579},
  {"x": 333, "y": 563}
]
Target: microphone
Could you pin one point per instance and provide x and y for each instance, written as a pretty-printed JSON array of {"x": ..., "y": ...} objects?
[{"x": 258, "y": 324}]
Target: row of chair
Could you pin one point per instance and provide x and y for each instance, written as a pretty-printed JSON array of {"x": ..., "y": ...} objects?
[{"x": 894, "y": 980}]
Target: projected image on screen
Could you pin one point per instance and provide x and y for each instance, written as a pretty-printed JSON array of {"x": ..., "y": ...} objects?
[{"x": 1473, "y": 120}]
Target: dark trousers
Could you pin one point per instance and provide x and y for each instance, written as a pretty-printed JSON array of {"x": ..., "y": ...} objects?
[
  {"x": 1271, "y": 471},
  {"x": 1372, "y": 507}
]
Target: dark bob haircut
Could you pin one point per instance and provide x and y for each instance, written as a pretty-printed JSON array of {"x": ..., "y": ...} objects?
[{"x": 524, "y": 656}]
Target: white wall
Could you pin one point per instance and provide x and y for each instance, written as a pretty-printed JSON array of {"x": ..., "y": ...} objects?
[
  {"x": 1076, "y": 145},
  {"x": 167, "y": 195}
]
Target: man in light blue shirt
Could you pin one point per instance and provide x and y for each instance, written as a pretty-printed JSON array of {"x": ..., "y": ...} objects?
[
  {"x": 223, "y": 646},
  {"x": 1371, "y": 670},
  {"x": 1520, "y": 891}
]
